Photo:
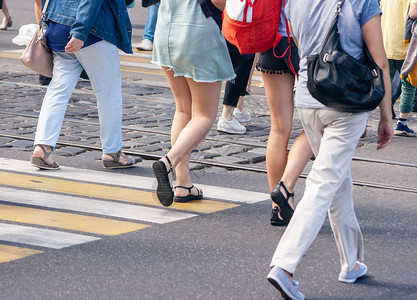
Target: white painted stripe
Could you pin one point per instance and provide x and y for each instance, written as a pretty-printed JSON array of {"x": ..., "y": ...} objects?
[
  {"x": 135, "y": 54},
  {"x": 97, "y": 207},
  {"x": 135, "y": 64},
  {"x": 141, "y": 182},
  {"x": 41, "y": 237}
]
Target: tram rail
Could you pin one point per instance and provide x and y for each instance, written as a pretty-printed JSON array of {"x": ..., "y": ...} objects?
[{"x": 238, "y": 167}]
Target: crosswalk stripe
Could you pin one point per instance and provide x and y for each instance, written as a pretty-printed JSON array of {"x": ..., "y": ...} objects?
[
  {"x": 104, "y": 192},
  {"x": 134, "y": 181},
  {"x": 41, "y": 237},
  {"x": 10, "y": 253},
  {"x": 92, "y": 206},
  {"x": 69, "y": 221}
]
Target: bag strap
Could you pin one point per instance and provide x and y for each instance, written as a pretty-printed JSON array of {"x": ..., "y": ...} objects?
[
  {"x": 278, "y": 39},
  {"x": 43, "y": 12}
]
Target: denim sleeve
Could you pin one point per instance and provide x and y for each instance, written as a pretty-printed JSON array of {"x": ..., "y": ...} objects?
[{"x": 86, "y": 17}]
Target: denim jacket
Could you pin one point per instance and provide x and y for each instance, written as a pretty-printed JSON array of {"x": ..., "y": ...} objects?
[{"x": 106, "y": 19}]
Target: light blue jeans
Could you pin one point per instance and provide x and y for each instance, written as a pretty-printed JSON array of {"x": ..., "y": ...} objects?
[
  {"x": 102, "y": 64},
  {"x": 151, "y": 19}
]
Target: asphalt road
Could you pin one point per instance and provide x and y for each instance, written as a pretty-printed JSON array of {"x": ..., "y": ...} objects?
[{"x": 222, "y": 254}]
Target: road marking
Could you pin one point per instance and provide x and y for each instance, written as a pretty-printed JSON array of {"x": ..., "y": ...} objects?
[
  {"x": 10, "y": 253},
  {"x": 69, "y": 221},
  {"x": 97, "y": 207},
  {"x": 41, "y": 237},
  {"x": 138, "y": 62},
  {"x": 104, "y": 192},
  {"x": 141, "y": 182}
]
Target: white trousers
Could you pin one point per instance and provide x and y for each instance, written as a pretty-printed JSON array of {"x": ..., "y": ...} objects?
[
  {"x": 333, "y": 137},
  {"x": 102, "y": 64}
]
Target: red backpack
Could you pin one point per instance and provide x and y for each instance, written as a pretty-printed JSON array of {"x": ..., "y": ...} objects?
[{"x": 252, "y": 25}]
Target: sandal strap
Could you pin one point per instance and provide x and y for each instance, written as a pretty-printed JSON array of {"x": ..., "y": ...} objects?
[
  {"x": 189, "y": 189},
  {"x": 184, "y": 187},
  {"x": 46, "y": 154},
  {"x": 115, "y": 155},
  {"x": 289, "y": 195},
  {"x": 170, "y": 167}
]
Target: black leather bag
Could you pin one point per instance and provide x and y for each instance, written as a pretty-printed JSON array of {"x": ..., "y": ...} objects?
[{"x": 340, "y": 81}]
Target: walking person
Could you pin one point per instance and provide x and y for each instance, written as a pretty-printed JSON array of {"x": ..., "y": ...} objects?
[
  {"x": 278, "y": 76},
  {"x": 84, "y": 34},
  {"x": 152, "y": 16},
  {"x": 333, "y": 136},
  {"x": 7, "y": 18},
  {"x": 234, "y": 112},
  {"x": 393, "y": 23},
  {"x": 193, "y": 54}
]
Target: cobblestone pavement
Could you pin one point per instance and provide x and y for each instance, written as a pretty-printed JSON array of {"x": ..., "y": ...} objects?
[{"x": 147, "y": 114}]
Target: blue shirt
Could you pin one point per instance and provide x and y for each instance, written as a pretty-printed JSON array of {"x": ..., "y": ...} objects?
[
  {"x": 311, "y": 25},
  {"x": 58, "y": 35},
  {"x": 106, "y": 19}
]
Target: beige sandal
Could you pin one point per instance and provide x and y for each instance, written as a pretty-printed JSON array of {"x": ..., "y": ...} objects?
[
  {"x": 41, "y": 162},
  {"x": 115, "y": 164},
  {"x": 7, "y": 22}
]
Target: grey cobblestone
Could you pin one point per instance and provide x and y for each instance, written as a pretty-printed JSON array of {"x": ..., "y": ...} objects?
[
  {"x": 231, "y": 150},
  {"x": 5, "y": 142},
  {"x": 232, "y": 160},
  {"x": 22, "y": 144},
  {"x": 259, "y": 151},
  {"x": 253, "y": 157},
  {"x": 144, "y": 107},
  {"x": 204, "y": 155},
  {"x": 69, "y": 151}
]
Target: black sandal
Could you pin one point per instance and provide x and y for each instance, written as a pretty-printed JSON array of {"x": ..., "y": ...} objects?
[
  {"x": 189, "y": 197},
  {"x": 164, "y": 190},
  {"x": 282, "y": 201},
  {"x": 275, "y": 219}
]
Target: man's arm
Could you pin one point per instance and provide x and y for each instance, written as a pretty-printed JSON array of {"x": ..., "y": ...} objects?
[
  {"x": 413, "y": 11},
  {"x": 372, "y": 35}
]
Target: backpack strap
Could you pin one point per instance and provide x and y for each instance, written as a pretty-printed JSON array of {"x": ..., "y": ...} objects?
[{"x": 278, "y": 39}]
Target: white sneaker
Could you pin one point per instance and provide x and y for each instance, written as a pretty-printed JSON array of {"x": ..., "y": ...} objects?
[
  {"x": 232, "y": 126},
  {"x": 145, "y": 45},
  {"x": 242, "y": 116}
]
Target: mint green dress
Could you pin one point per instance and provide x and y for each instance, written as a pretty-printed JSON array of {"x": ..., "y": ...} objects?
[{"x": 190, "y": 44}]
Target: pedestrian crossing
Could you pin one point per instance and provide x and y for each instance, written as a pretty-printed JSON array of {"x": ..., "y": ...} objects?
[
  {"x": 48, "y": 211},
  {"x": 40, "y": 211}
]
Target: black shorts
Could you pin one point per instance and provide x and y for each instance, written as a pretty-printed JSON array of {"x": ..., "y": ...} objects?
[{"x": 269, "y": 63}]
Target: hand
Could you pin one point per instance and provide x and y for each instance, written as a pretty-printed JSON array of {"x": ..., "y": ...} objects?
[
  {"x": 74, "y": 45},
  {"x": 385, "y": 133}
]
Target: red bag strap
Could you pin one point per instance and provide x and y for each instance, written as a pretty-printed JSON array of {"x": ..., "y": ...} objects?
[{"x": 278, "y": 39}]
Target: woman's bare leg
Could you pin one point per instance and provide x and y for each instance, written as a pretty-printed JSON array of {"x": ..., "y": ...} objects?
[
  {"x": 298, "y": 157},
  {"x": 196, "y": 110},
  {"x": 279, "y": 94}
]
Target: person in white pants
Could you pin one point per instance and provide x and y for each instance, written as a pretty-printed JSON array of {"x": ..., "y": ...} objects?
[{"x": 333, "y": 137}]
